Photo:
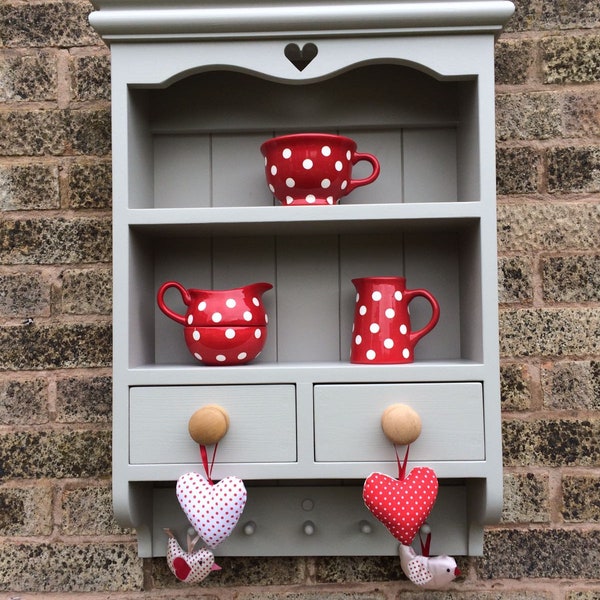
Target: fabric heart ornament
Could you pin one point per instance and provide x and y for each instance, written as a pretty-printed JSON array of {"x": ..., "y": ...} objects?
[
  {"x": 404, "y": 504},
  {"x": 190, "y": 567},
  {"x": 212, "y": 509}
]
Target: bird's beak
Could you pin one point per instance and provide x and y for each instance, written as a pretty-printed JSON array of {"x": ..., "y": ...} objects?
[
  {"x": 215, "y": 567},
  {"x": 457, "y": 572}
]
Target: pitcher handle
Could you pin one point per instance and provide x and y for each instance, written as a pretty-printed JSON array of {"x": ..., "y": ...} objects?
[
  {"x": 185, "y": 296},
  {"x": 415, "y": 336},
  {"x": 357, "y": 157}
]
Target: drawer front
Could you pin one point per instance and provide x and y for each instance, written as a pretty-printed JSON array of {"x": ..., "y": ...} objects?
[
  {"x": 348, "y": 421},
  {"x": 262, "y": 424}
]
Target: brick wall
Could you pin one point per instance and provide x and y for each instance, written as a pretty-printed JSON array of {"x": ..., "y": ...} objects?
[{"x": 57, "y": 533}]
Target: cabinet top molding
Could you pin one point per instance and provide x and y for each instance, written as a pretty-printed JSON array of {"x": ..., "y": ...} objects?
[{"x": 164, "y": 20}]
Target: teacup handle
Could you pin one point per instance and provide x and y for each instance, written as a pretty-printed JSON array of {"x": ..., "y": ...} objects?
[
  {"x": 415, "y": 336},
  {"x": 357, "y": 157},
  {"x": 185, "y": 296}
]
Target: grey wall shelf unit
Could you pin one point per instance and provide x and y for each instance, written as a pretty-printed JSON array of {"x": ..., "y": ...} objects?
[{"x": 196, "y": 88}]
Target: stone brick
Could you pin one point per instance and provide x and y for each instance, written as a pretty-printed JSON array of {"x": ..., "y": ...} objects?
[
  {"x": 459, "y": 594},
  {"x": 526, "y": 498},
  {"x": 515, "y": 387},
  {"x": 571, "y": 59},
  {"x": 549, "y": 332},
  {"x": 83, "y": 400},
  {"x": 57, "y": 23},
  {"x": 581, "y": 114},
  {"x": 62, "y": 567},
  {"x": 55, "y": 240},
  {"x": 87, "y": 291},
  {"x": 25, "y": 511},
  {"x": 88, "y": 511},
  {"x": 513, "y": 61},
  {"x": 571, "y": 385},
  {"x": 312, "y": 595},
  {"x": 55, "y": 346},
  {"x": 517, "y": 170},
  {"x": 525, "y": 17},
  {"x": 515, "y": 280},
  {"x": 548, "y": 226},
  {"x": 571, "y": 279},
  {"x": 30, "y": 78},
  {"x": 354, "y": 569},
  {"x": 239, "y": 572},
  {"x": 55, "y": 454},
  {"x": 23, "y": 402},
  {"x": 91, "y": 78},
  {"x": 29, "y": 187},
  {"x": 570, "y": 14},
  {"x": 583, "y": 595},
  {"x": 90, "y": 185},
  {"x": 581, "y": 499},
  {"x": 24, "y": 295},
  {"x": 552, "y": 553},
  {"x": 574, "y": 169},
  {"x": 554, "y": 443},
  {"x": 528, "y": 116},
  {"x": 55, "y": 132}
]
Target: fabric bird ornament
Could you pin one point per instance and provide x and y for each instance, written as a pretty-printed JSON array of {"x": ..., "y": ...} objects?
[{"x": 190, "y": 566}]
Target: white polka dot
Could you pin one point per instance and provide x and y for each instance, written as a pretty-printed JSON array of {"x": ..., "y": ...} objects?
[
  {"x": 266, "y": 161},
  {"x": 357, "y": 296},
  {"x": 196, "y": 334},
  {"x": 230, "y": 333},
  {"x": 338, "y": 165},
  {"x": 371, "y": 354},
  {"x": 388, "y": 343},
  {"x": 325, "y": 183},
  {"x": 247, "y": 315},
  {"x": 274, "y": 170},
  {"x": 217, "y": 317},
  {"x": 311, "y": 199},
  {"x": 403, "y": 329},
  {"x": 257, "y": 334},
  {"x": 272, "y": 188},
  {"x": 221, "y": 357},
  {"x": 344, "y": 184},
  {"x": 190, "y": 319},
  {"x": 242, "y": 355},
  {"x": 307, "y": 164},
  {"x": 326, "y": 151},
  {"x": 390, "y": 313},
  {"x": 398, "y": 295},
  {"x": 374, "y": 328},
  {"x": 376, "y": 295},
  {"x": 329, "y": 199},
  {"x": 202, "y": 305},
  {"x": 358, "y": 340},
  {"x": 196, "y": 355},
  {"x": 406, "y": 352},
  {"x": 255, "y": 301},
  {"x": 348, "y": 155},
  {"x": 289, "y": 199},
  {"x": 290, "y": 182},
  {"x": 266, "y": 318},
  {"x": 230, "y": 303},
  {"x": 286, "y": 153},
  {"x": 362, "y": 310}
]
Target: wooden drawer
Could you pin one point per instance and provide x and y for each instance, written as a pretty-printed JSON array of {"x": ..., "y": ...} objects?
[
  {"x": 262, "y": 423},
  {"x": 348, "y": 421}
]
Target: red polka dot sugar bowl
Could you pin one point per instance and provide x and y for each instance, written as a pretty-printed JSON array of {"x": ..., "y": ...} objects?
[
  {"x": 382, "y": 332},
  {"x": 221, "y": 327},
  {"x": 313, "y": 168}
]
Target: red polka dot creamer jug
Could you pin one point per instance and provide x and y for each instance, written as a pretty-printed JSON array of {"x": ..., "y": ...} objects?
[
  {"x": 221, "y": 327},
  {"x": 382, "y": 332},
  {"x": 313, "y": 168}
]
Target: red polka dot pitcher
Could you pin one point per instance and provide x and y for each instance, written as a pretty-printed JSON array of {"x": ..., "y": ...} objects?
[
  {"x": 382, "y": 331},
  {"x": 221, "y": 327}
]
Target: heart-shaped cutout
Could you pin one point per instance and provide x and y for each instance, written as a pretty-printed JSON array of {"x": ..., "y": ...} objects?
[
  {"x": 212, "y": 510},
  {"x": 301, "y": 57},
  {"x": 191, "y": 567},
  {"x": 402, "y": 505}
]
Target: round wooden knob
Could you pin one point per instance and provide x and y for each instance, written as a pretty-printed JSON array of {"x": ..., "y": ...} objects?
[
  {"x": 401, "y": 424},
  {"x": 208, "y": 424}
]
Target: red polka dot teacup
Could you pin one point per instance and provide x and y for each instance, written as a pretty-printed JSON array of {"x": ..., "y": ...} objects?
[{"x": 313, "y": 168}]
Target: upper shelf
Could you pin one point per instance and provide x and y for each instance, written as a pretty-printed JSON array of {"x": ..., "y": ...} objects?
[{"x": 144, "y": 20}]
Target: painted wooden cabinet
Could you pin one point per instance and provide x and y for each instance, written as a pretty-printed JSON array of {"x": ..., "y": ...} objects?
[{"x": 197, "y": 86}]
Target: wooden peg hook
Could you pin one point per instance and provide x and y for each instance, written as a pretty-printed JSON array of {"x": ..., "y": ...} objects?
[
  {"x": 208, "y": 424},
  {"x": 401, "y": 424}
]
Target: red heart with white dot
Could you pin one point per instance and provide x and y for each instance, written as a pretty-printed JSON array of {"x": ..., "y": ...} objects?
[{"x": 402, "y": 505}]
